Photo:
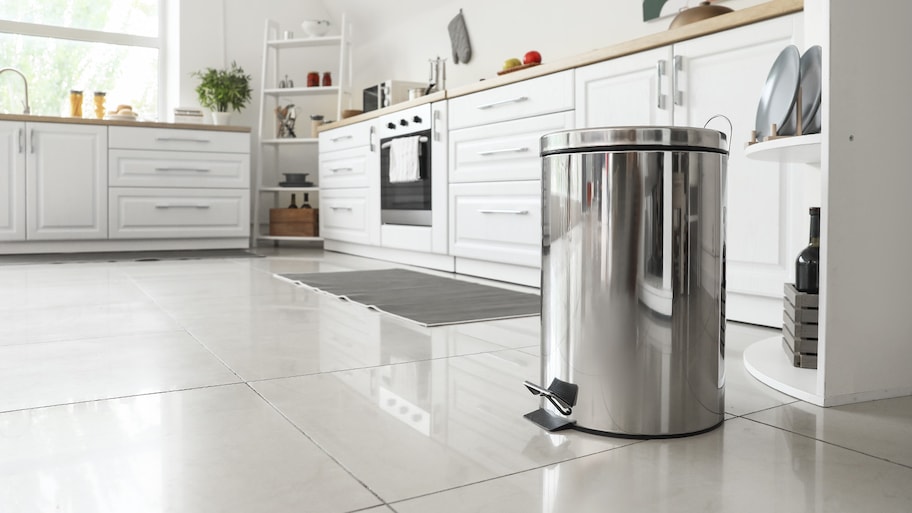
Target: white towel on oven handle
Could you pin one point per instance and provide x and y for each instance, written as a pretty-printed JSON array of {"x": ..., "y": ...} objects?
[{"x": 403, "y": 160}]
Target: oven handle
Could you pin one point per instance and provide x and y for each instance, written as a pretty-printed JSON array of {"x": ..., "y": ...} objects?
[{"x": 386, "y": 145}]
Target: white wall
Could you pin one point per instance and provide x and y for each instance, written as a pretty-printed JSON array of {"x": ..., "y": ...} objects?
[{"x": 396, "y": 41}]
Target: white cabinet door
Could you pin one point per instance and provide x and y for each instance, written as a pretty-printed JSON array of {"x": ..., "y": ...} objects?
[
  {"x": 497, "y": 222},
  {"x": 628, "y": 91},
  {"x": 724, "y": 74},
  {"x": 12, "y": 180},
  {"x": 66, "y": 181}
]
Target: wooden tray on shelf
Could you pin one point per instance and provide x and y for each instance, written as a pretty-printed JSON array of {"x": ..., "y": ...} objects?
[{"x": 517, "y": 68}]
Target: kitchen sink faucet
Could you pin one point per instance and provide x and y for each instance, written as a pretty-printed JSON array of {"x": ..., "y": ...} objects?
[{"x": 24, "y": 81}]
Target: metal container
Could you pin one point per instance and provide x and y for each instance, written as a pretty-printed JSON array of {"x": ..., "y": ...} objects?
[{"x": 633, "y": 281}]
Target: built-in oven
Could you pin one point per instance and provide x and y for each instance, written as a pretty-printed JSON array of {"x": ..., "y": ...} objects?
[{"x": 405, "y": 167}]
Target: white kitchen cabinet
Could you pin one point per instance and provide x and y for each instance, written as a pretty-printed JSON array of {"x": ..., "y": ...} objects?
[
  {"x": 542, "y": 95},
  {"x": 291, "y": 60},
  {"x": 178, "y": 184},
  {"x": 766, "y": 202},
  {"x": 497, "y": 221},
  {"x": 12, "y": 181},
  {"x": 627, "y": 91},
  {"x": 349, "y": 172},
  {"x": 687, "y": 84},
  {"x": 65, "y": 181}
]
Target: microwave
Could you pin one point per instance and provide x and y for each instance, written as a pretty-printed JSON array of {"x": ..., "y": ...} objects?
[{"x": 388, "y": 92}]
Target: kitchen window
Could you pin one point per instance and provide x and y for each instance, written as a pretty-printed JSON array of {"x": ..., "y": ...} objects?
[{"x": 115, "y": 46}]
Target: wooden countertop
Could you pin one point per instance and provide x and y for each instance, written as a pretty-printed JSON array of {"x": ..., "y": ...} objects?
[
  {"x": 747, "y": 16},
  {"x": 111, "y": 122}
]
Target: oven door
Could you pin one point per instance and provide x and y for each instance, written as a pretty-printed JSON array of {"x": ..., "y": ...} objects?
[{"x": 406, "y": 202}]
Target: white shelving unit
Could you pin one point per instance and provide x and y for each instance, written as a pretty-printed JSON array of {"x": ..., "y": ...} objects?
[
  {"x": 803, "y": 149},
  {"x": 267, "y": 191}
]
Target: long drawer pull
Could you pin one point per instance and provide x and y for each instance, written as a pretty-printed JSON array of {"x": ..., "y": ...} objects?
[
  {"x": 194, "y": 169},
  {"x": 342, "y": 138},
  {"x": 340, "y": 169},
  {"x": 506, "y": 150},
  {"x": 182, "y": 139},
  {"x": 514, "y": 212},
  {"x": 182, "y": 205},
  {"x": 518, "y": 99},
  {"x": 342, "y": 208}
]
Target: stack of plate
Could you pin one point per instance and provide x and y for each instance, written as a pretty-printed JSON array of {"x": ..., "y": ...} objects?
[{"x": 791, "y": 73}]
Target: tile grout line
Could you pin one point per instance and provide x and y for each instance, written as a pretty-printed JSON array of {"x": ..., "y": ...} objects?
[
  {"x": 320, "y": 447},
  {"x": 832, "y": 444}
]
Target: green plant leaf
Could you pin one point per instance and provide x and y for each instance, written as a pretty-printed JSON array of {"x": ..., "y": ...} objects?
[{"x": 220, "y": 90}]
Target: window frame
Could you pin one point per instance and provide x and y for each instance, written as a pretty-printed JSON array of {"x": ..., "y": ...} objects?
[{"x": 97, "y": 36}]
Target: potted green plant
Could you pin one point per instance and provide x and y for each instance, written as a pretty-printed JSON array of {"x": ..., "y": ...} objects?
[{"x": 221, "y": 89}]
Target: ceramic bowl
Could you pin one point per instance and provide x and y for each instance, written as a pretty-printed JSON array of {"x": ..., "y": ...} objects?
[{"x": 315, "y": 28}]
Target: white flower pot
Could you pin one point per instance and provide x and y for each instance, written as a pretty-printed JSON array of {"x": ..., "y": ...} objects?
[{"x": 221, "y": 118}]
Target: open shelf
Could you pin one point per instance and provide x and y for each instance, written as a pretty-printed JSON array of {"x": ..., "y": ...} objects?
[
  {"x": 767, "y": 361},
  {"x": 804, "y": 149},
  {"x": 288, "y": 238},
  {"x": 290, "y": 189},
  {"x": 304, "y": 42},
  {"x": 301, "y": 91}
]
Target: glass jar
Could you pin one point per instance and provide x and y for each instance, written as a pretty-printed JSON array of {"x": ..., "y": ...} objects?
[
  {"x": 76, "y": 103},
  {"x": 327, "y": 79},
  {"x": 99, "y": 104},
  {"x": 313, "y": 79}
]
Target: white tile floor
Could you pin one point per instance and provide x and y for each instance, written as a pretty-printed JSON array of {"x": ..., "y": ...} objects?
[{"x": 210, "y": 386}]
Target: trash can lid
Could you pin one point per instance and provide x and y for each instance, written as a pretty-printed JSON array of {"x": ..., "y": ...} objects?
[{"x": 634, "y": 138}]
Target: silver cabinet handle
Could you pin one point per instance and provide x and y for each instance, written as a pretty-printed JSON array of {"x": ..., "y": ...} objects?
[
  {"x": 436, "y": 123},
  {"x": 193, "y": 169},
  {"x": 514, "y": 212},
  {"x": 340, "y": 169},
  {"x": 341, "y": 138},
  {"x": 503, "y": 102},
  {"x": 341, "y": 208},
  {"x": 660, "y": 72},
  {"x": 32, "y": 141},
  {"x": 370, "y": 136},
  {"x": 182, "y": 205},
  {"x": 678, "y": 66},
  {"x": 21, "y": 134},
  {"x": 506, "y": 150},
  {"x": 182, "y": 139}
]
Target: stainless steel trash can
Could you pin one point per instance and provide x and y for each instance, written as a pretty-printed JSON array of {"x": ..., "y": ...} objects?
[{"x": 633, "y": 281}]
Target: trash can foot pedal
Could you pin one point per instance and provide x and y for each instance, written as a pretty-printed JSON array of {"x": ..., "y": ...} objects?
[
  {"x": 549, "y": 421},
  {"x": 561, "y": 394}
]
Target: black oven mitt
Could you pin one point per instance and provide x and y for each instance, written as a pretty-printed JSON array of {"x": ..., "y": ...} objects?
[{"x": 459, "y": 39}]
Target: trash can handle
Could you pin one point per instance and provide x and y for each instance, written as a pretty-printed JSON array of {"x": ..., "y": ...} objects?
[{"x": 730, "y": 127}]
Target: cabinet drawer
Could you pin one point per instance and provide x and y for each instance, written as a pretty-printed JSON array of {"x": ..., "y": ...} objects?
[
  {"x": 542, "y": 95},
  {"x": 138, "y": 138},
  {"x": 346, "y": 137},
  {"x": 149, "y": 213},
  {"x": 498, "y": 222},
  {"x": 145, "y": 168},
  {"x": 348, "y": 215},
  {"x": 502, "y": 151},
  {"x": 346, "y": 168}
]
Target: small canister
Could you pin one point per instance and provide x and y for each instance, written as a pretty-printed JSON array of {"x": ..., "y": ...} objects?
[
  {"x": 76, "y": 103},
  {"x": 99, "y": 104},
  {"x": 327, "y": 79},
  {"x": 313, "y": 79},
  {"x": 315, "y": 122}
]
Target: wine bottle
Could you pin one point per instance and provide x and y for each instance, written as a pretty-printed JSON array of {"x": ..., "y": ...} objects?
[
  {"x": 807, "y": 265},
  {"x": 305, "y": 204},
  {"x": 294, "y": 204}
]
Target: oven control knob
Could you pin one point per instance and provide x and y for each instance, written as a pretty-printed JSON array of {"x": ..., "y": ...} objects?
[
  {"x": 391, "y": 126},
  {"x": 416, "y": 119},
  {"x": 403, "y": 122}
]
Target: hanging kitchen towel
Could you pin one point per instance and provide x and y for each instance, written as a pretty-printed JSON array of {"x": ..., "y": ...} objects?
[
  {"x": 403, "y": 164},
  {"x": 459, "y": 39}
]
